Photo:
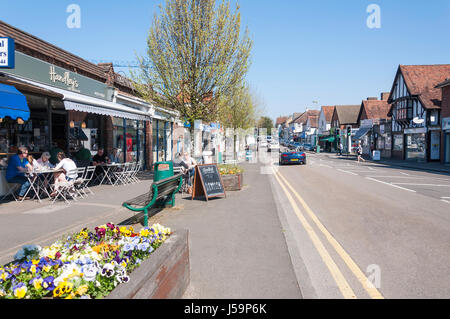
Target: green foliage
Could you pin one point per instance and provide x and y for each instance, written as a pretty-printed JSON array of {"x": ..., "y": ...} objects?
[{"x": 196, "y": 55}]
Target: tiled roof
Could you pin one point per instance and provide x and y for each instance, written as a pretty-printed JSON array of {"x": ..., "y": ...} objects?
[
  {"x": 280, "y": 120},
  {"x": 348, "y": 114},
  {"x": 303, "y": 118},
  {"x": 376, "y": 109},
  {"x": 422, "y": 80},
  {"x": 443, "y": 84},
  {"x": 328, "y": 112},
  {"x": 313, "y": 120}
]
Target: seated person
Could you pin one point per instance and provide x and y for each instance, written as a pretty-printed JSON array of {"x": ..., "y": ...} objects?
[
  {"x": 114, "y": 157},
  {"x": 54, "y": 154},
  {"x": 100, "y": 158},
  {"x": 67, "y": 165},
  {"x": 32, "y": 161},
  {"x": 44, "y": 161},
  {"x": 83, "y": 156},
  {"x": 178, "y": 162},
  {"x": 191, "y": 163},
  {"x": 18, "y": 165}
]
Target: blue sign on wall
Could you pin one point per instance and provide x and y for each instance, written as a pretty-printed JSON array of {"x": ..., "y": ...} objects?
[{"x": 7, "y": 47}]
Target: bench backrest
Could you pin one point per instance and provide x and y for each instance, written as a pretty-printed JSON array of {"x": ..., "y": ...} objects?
[{"x": 167, "y": 186}]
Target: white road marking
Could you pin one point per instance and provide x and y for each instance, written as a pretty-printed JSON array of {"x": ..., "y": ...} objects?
[
  {"x": 406, "y": 189},
  {"x": 414, "y": 184},
  {"x": 325, "y": 165},
  {"x": 404, "y": 173},
  {"x": 348, "y": 172},
  {"x": 445, "y": 201}
]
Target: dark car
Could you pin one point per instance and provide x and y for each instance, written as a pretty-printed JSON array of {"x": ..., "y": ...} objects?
[
  {"x": 294, "y": 145},
  {"x": 293, "y": 157},
  {"x": 309, "y": 147}
]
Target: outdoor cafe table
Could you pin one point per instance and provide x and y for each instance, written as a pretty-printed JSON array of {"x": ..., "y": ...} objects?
[
  {"x": 108, "y": 172},
  {"x": 40, "y": 180}
]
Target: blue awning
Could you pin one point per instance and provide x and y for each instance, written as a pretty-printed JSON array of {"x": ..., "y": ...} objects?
[
  {"x": 13, "y": 103},
  {"x": 361, "y": 133}
]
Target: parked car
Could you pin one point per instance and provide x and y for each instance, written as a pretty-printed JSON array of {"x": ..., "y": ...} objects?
[
  {"x": 293, "y": 157},
  {"x": 309, "y": 147},
  {"x": 273, "y": 146},
  {"x": 294, "y": 145}
]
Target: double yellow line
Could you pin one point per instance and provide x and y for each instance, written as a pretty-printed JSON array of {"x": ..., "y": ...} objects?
[{"x": 337, "y": 275}]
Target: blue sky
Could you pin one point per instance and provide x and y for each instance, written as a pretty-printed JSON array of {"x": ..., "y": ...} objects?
[{"x": 304, "y": 51}]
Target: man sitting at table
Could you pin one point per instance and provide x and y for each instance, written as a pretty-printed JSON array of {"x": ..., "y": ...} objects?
[
  {"x": 18, "y": 165},
  {"x": 100, "y": 158}
]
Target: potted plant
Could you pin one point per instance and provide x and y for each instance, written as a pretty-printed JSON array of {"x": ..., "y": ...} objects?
[{"x": 232, "y": 176}]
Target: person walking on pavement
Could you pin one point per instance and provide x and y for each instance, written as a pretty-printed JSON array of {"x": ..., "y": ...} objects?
[
  {"x": 341, "y": 147},
  {"x": 359, "y": 152}
]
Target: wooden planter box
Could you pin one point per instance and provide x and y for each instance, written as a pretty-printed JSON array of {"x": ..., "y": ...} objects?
[
  {"x": 164, "y": 275},
  {"x": 233, "y": 182}
]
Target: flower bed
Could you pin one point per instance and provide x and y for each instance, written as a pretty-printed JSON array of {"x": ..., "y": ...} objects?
[
  {"x": 82, "y": 266},
  {"x": 232, "y": 176},
  {"x": 229, "y": 169}
]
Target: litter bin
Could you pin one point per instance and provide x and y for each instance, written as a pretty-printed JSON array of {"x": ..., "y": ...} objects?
[
  {"x": 318, "y": 149},
  {"x": 163, "y": 170}
]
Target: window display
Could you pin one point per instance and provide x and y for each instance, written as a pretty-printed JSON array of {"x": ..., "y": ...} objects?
[{"x": 415, "y": 146}]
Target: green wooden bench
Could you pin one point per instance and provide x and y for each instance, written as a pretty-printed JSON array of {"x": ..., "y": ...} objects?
[{"x": 161, "y": 194}]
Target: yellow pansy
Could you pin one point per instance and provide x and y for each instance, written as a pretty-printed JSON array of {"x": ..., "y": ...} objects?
[
  {"x": 82, "y": 290},
  {"x": 62, "y": 289},
  {"x": 20, "y": 292}
]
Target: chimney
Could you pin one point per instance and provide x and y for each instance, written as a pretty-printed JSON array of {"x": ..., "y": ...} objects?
[
  {"x": 372, "y": 99},
  {"x": 385, "y": 96}
]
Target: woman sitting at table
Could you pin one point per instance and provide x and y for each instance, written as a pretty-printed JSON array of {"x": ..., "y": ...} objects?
[
  {"x": 32, "y": 162},
  {"x": 44, "y": 161},
  {"x": 67, "y": 165}
]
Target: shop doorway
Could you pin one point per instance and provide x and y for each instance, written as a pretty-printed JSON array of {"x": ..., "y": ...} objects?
[
  {"x": 447, "y": 148},
  {"x": 59, "y": 129}
]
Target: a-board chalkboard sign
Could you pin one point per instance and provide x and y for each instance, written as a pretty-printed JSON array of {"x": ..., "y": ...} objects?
[{"x": 207, "y": 182}]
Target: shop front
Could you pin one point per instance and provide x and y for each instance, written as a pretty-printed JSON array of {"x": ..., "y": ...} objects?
[
  {"x": 69, "y": 111},
  {"x": 416, "y": 144},
  {"x": 162, "y": 136},
  {"x": 446, "y": 139}
]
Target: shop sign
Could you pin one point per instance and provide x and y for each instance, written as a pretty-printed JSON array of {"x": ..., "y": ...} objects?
[
  {"x": 40, "y": 71},
  {"x": 419, "y": 130},
  {"x": 7, "y": 59},
  {"x": 446, "y": 123},
  {"x": 366, "y": 123}
]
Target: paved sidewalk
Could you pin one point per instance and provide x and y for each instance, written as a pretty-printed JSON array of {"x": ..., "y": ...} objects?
[{"x": 237, "y": 246}]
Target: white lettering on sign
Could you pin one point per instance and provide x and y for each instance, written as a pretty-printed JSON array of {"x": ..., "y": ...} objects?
[
  {"x": 65, "y": 78},
  {"x": 3, "y": 52}
]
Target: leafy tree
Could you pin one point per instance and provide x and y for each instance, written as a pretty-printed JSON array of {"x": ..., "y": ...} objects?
[
  {"x": 267, "y": 123},
  {"x": 238, "y": 111},
  {"x": 196, "y": 55}
]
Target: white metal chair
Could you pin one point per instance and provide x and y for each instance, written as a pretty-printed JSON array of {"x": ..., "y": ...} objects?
[
  {"x": 119, "y": 173},
  {"x": 12, "y": 189},
  {"x": 81, "y": 171},
  {"x": 136, "y": 171},
  {"x": 88, "y": 175},
  {"x": 129, "y": 173},
  {"x": 66, "y": 189}
]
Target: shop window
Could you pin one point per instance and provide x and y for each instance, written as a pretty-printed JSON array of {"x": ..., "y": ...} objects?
[
  {"x": 118, "y": 137},
  {"x": 433, "y": 117}
]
